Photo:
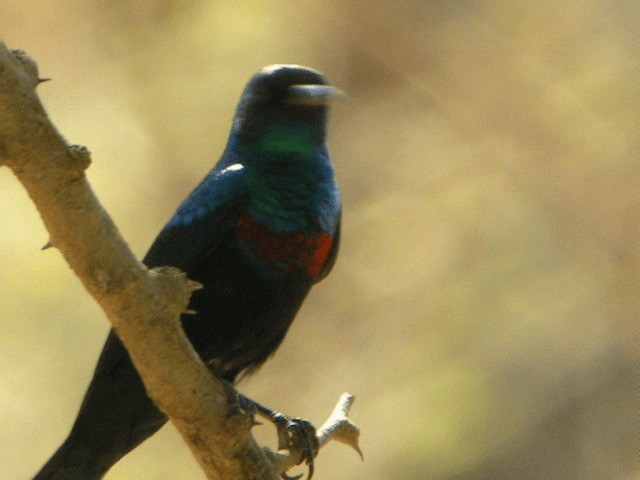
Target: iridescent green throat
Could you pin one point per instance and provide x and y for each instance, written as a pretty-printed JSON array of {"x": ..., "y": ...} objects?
[
  {"x": 282, "y": 176},
  {"x": 287, "y": 139}
]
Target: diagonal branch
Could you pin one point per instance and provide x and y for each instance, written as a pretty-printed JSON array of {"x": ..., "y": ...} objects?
[{"x": 144, "y": 306}]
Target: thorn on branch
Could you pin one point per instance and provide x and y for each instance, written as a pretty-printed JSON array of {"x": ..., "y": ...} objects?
[
  {"x": 47, "y": 245},
  {"x": 28, "y": 65},
  {"x": 177, "y": 285},
  {"x": 193, "y": 286},
  {"x": 81, "y": 156}
]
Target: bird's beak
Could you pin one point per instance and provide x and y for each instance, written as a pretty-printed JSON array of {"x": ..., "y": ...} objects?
[{"x": 313, "y": 95}]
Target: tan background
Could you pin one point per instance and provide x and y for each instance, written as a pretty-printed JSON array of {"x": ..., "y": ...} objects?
[{"x": 483, "y": 305}]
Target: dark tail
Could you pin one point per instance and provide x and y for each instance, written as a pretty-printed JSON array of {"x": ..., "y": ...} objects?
[
  {"x": 115, "y": 417},
  {"x": 68, "y": 464}
]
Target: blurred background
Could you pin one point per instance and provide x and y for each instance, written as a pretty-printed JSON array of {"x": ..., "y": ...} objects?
[{"x": 484, "y": 302}]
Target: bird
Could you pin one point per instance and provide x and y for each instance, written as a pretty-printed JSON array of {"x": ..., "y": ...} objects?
[{"x": 257, "y": 233}]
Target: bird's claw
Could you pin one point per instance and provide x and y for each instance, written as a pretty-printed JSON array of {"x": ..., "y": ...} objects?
[{"x": 299, "y": 437}]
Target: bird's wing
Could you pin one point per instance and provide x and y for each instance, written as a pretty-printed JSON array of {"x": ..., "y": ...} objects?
[
  {"x": 201, "y": 222},
  {"x": 331, "y": 259},
  {"x": 199, "y": 225}
]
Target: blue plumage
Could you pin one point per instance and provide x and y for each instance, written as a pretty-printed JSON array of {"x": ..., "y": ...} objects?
[
  {"x": 216, "y": 188},
  {"x": 261, "y": 228}
]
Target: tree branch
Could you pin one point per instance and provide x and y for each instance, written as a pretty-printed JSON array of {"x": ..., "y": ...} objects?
[{"x": 144, "y": 306}]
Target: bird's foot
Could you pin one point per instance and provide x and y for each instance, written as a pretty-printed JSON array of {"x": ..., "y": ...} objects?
[
  {"x": 249, "y": 407},
  {"x": 299, "y": 436},
  {"x": 295, "y": 434}
]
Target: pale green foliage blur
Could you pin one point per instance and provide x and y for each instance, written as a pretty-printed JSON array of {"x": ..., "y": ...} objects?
[{"x": 483, "y": 303}]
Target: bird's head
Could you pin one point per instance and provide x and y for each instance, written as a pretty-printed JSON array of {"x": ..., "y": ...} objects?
[{"x": 283, "y": 108}]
